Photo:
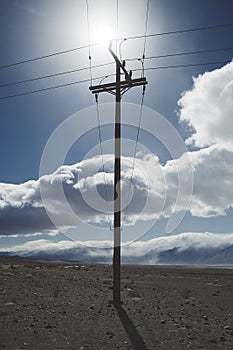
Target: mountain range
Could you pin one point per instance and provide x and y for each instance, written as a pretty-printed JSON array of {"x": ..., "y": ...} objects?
[{"x": 182, "y": 249}]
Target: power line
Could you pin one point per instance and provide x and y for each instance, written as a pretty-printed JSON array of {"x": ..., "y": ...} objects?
[
  {"x": 183, "y": 65},
  {"x": 102, "y": 77},
  {"x": 110, "y": 63},
  {"x": 181, "y": 54},
  {"x": 118, "y": 39},
  {"x": 46, "y": 56},
  {"x": 144, "y": 45},
  {"x": 56, "y": 74},
  {"x": 135, "y": 151},
  {"x": 89, "y": 41},
  {"x": 117, "y": 23},
  {"x": 142, "y": 100},
  {"x": 219, "y": 26},
  {"x": 52, "y": 87},
  {"x": 98, "y": 116},
  {"x": 102, "y": 158}
]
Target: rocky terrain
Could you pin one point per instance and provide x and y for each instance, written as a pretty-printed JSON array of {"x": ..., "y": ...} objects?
[{"x": 57, "y": 305}]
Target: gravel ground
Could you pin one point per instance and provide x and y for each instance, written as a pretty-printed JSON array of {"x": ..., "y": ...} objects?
[{"x": 46, "y": 305}]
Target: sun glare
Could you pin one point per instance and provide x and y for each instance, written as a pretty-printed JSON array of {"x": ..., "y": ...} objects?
[{"x": 103, "y": 35}]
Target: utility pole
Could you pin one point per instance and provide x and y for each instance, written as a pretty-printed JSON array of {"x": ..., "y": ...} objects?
[{"x": 117, "y": 88}]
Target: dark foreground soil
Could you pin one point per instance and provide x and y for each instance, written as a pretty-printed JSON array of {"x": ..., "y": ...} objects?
[{"x": 69, "y": 306}]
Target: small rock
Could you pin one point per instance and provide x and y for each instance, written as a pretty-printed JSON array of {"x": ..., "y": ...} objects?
[
  {"x": 186, "y": 294},
  {"x": 56, "y": 293},
  {"x": 110, "y": 334},
  {"x": 132, "y": 293},
  {"x": 48, "y": 326},
  {"x": 223, "y": 339},
  {"x": 110, "y": 303}
]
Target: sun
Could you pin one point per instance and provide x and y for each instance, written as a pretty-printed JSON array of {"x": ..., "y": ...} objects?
[{"x": 103, "y": 35}]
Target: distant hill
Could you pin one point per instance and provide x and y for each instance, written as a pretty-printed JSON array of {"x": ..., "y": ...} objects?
[
  {"x": 182, "y": 249},
  {"x": 222, "y": 257}
]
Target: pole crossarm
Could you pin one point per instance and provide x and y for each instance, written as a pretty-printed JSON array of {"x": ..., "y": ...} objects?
[{"x": 95, "y": 89}]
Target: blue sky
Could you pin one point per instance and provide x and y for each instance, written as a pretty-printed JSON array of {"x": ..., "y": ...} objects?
[{"x": 35, "y": 28}]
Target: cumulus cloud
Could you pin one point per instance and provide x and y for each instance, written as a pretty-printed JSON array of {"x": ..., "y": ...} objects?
[
  {"x": 21, "y": 209},
  {"x": 84, "y": 188},
  {"x": 208, "y": 106},
  {"x": 213, "y": 183},
  {"x": 153, "y": 192}
]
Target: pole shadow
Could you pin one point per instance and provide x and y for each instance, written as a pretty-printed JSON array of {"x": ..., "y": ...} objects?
[{"x": 134, "y": 336}]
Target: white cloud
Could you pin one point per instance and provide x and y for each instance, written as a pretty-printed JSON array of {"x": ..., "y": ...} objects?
[
  {"x": 154, "y": 191},
  {"x": 148, "y": 251},
  {"x": 22, "y": 210},
  {"x": 208, "y": 107},
  {"x": 213, "y": 185},
  {"x": 213, "y": 181}
]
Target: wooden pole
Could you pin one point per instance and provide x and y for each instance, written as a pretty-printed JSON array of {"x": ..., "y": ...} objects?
[
  {"x": 118, "y": 87},
  {"x": 117, "y": 193}
]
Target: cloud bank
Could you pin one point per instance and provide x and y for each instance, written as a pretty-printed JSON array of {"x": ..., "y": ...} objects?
[{"x": 182, "y": 248}]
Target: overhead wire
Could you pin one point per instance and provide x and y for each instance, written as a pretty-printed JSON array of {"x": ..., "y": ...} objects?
[
  {"x": 117, "y": 24},
  {"x": 89, "y": 41},
  {"x": 102, "y": 158},
  {"x": 134, "y": 154},
  {"x": 46, "y": 56},
  {"x": 110, "y": 63},
  {"x": 183, "y": 65},
  {"x": 220, "y": 26},
  {"x": 109, "y": 75},
  {"x": 181, "y": 54},
  {"x": 140, "y": 114},
  {"x": 57, "y": 74},
  {"x": 144, "y": 44},
  {"x": 53, "y": 87},
  {"x": 98, "y": 117},
  {"x": 120, "y": 46}
]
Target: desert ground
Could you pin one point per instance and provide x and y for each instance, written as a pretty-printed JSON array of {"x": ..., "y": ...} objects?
[{"x": 57, "y": 305}]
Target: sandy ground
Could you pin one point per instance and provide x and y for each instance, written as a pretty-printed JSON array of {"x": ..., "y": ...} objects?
[{"x": 69, "y": 306}]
